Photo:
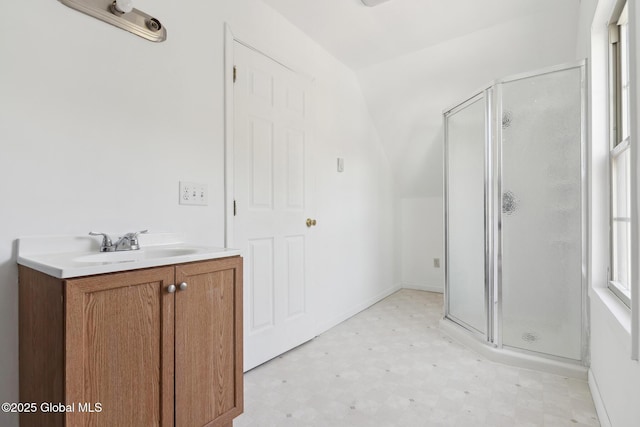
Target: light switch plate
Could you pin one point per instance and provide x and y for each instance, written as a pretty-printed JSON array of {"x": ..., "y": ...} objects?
[{"x": 193, "y": 193}]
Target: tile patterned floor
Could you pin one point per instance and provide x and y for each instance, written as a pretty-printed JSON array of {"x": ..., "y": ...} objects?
[{"x": 391, "y": 366}]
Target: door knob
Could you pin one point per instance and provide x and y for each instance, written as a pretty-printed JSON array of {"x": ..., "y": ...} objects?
[
  {"x": 183, "y": 286},
  {"x": 311, "y": 222},
  {"x": 171, "y": 289}
]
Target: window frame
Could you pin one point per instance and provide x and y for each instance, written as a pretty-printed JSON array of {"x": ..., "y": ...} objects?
[{"x": 619, "y": 144}]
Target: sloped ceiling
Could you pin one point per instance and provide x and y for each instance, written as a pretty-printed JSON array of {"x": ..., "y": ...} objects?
[
  {"x": 414, "y": 58},
  {"x": 360, "y": 36}
]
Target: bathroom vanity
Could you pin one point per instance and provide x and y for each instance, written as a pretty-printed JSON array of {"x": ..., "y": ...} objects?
[{"x": 146, "y": 339}]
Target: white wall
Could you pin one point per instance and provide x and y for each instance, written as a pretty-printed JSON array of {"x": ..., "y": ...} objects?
[
  {"x": 407, "y": 96},
  {"x": 423, "y": 239},
  {"x": 97, "y": 126},
  {"x": 614, "y": 377}
]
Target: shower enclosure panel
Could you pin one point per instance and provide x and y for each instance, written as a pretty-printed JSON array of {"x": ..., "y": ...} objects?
[
  {"x": 515, "y": 214},
  {"x": 541, "y": 221},
  {"x": 466, "y": 197}
]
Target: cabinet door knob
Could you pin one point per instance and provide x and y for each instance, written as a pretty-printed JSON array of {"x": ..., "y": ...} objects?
[
  {"x": 311, "y": 222},
  {"x": 183, "y": 286},
  {"x": 171, "y": 289}
]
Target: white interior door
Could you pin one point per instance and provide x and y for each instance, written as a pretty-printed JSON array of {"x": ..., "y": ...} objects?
[{"x": 272, "y": 143}]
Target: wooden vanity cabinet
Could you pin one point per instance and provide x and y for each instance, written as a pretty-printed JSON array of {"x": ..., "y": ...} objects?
[{"x": 148, "y": 355}]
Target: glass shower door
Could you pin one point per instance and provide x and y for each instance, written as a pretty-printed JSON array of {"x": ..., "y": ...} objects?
[
  {"x": 541, "y": 219},
  {"x": 465, "y": 148}
]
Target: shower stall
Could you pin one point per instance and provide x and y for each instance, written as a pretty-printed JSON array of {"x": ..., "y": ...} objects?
[{"x": 515, "y": 219}]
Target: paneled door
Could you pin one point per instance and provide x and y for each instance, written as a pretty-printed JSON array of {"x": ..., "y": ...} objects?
[{"x": 272, "y": 193}]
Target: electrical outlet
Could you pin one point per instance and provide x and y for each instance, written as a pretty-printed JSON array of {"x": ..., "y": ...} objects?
[
  {"x": 436, "y": 262},
  {"x": 193, "y": 193}
]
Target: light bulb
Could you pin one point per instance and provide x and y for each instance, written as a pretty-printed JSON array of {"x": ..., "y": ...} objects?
[{"x": 124, "y": 6}]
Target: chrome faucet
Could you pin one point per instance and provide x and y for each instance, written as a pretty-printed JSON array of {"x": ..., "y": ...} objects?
[{"x": 128, "y": 242}]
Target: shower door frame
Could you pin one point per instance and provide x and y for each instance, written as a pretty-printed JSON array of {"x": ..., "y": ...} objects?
[
  {"x": 484, "y": 95},
  {"x": 493, "y": 208}
]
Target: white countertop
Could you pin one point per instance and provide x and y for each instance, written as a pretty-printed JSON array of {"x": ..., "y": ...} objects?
[{"x": 75, "y": 256}]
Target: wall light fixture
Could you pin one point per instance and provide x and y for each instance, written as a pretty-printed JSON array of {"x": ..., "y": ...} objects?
[
  {"x": 372, "y": 3},
  {"x": 122, "y": 14}
]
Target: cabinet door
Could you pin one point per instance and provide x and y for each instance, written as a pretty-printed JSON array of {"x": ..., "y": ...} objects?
[
  {"x": 119, "y": 345},
  {"x": 209, "y": 343}
]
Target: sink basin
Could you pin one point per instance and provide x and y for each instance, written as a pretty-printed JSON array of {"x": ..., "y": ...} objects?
[
  {"x": 165, "y": 252},
  {"x": 137, "y": 255},
  {"x": 66, "y": 257}
]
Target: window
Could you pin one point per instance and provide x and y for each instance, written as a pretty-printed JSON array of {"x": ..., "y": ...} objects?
[{"x": 619, "y": 281}]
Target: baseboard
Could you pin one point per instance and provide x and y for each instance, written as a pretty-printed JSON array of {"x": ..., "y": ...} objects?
[
  {"x": 358, "y": 308},
  {"x": 423, "y": 287},
  {"x": 597, "y": 401}
]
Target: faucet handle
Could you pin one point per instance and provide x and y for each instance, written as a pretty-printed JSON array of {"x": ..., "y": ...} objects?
[
  {"x": 133, "y": 238},
  {"x": 135, "y": 234},
  {"x": 106, "y": 241}
]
